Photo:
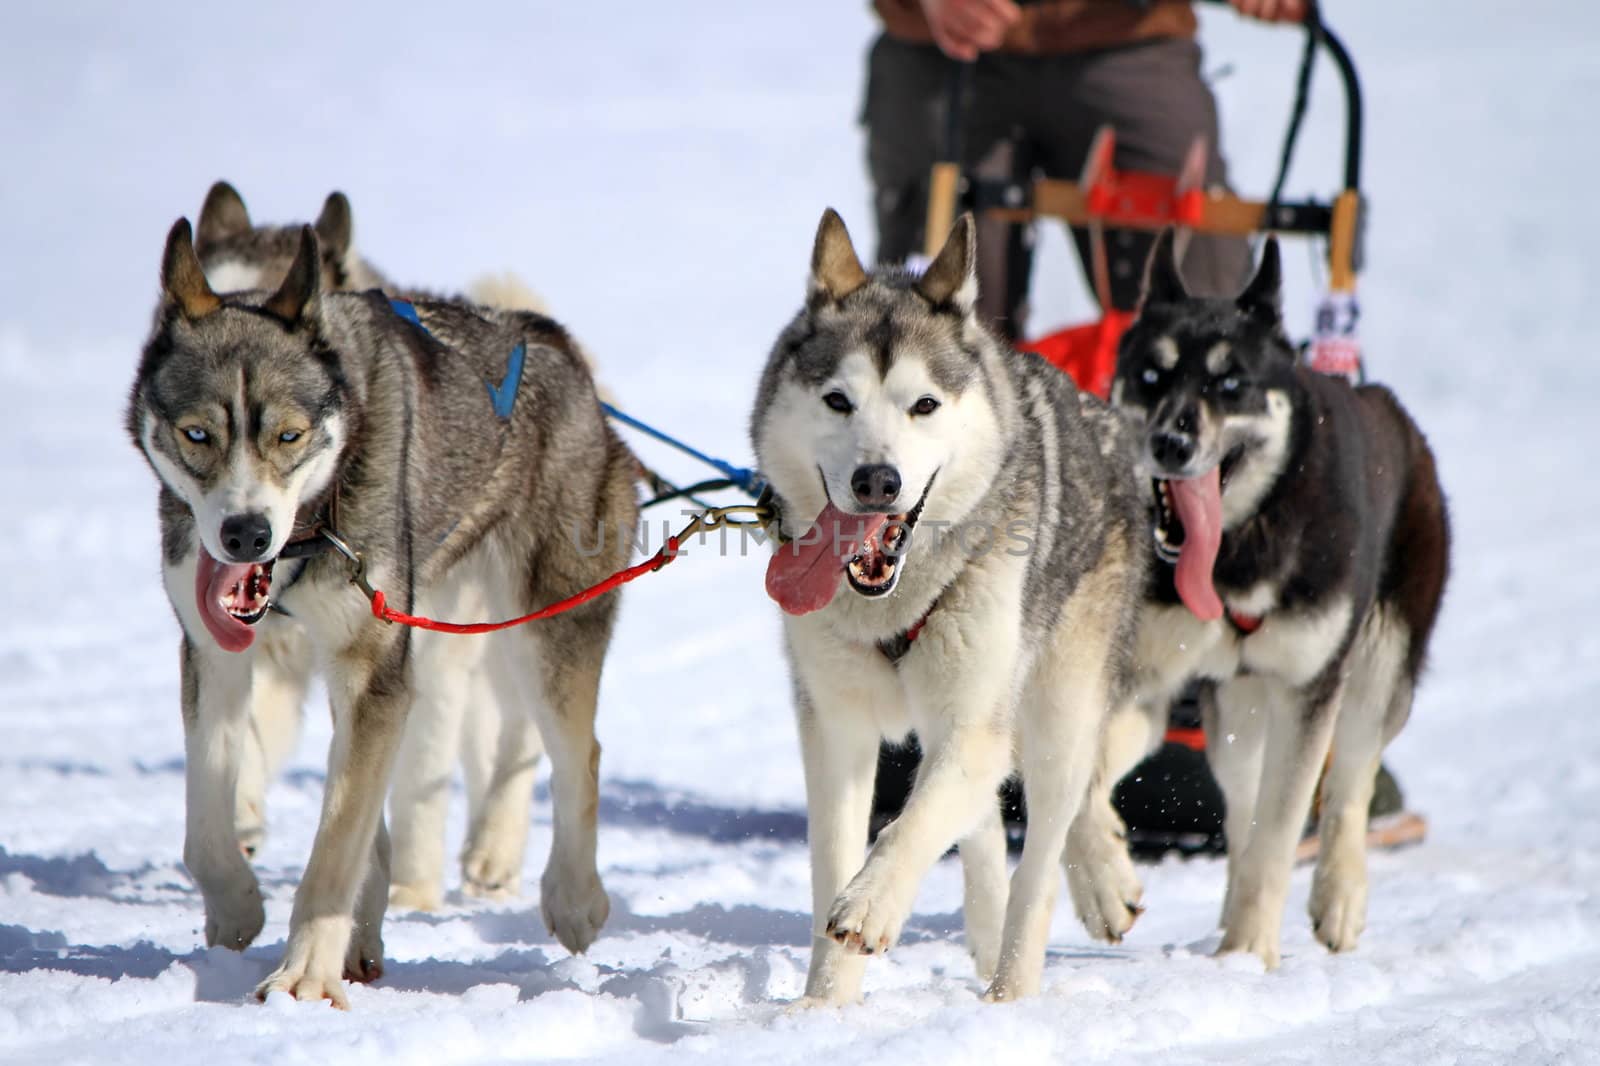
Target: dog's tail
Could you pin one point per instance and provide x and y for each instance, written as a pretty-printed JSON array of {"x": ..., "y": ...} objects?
[{"x": 507, "y": 292}]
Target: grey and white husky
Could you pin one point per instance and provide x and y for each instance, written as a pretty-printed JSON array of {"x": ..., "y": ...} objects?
[
  {"x": 968, "y": 546},
  {"x": 457, "y": 458},
  {"x": 1304, "y": 544},
  {"x": 480, "y": 717}
]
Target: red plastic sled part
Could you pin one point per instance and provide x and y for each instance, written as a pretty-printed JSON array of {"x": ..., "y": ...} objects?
[{"x": 1087, "y": 353}]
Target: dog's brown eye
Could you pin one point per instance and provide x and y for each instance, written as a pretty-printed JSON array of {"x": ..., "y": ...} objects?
[
  {"x": 838, "y": 401},
  {"x": 925, "y": 406}
]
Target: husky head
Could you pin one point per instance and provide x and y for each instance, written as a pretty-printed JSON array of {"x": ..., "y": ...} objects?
[
  {"x": 237, "y": 255},
  {"x": 1210, "y": 382},
  {"x": 238, "y": 408},
  {"x": 873, "y": 415}
]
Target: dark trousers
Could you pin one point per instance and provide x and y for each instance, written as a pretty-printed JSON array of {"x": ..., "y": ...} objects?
[{"x": 1028, "y": 115}]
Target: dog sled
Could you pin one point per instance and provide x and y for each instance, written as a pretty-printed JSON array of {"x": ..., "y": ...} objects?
[{"x": 1104, "y": 198}]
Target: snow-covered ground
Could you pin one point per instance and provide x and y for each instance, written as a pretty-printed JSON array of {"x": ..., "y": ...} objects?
[{"x": 657, "y": 171}]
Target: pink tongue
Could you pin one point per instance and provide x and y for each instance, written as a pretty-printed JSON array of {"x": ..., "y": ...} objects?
[
  {"x": 804, "y": 574},
  {"x": 212, "y": 581},
  {"x": 1199, "y": 505}
]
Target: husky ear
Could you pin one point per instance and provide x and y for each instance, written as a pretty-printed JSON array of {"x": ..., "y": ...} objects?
[
  {"x": 222, "y": 215},
  {"x": 952, "y": 277},
  {"x": 183, "y": 282},
  {"x": 335, "y": 225},
  {"x": 297, "y": 297},
  {"x": 836, "y": 272},
  {"x": 1263, "y": 297},
  {"x": 1163, "y": 284}
]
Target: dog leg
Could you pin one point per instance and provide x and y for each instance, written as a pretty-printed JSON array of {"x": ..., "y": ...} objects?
[
  {"x": 1258, "y": 881},
  {"x": 1060, "y": 722},
  {"x": 840, "y": 753},
  {"x": 363, "y": 960},
  {"x": 420, "y": 797},
  {"x": 491, "y": 864},
  {"x": 1375, "y": 687},
  {"x": 216, "y": 710},
  {"x": 1100, "y": 876},
  {"x": 984, "y": 891},
  {"x": 572, "y": 899},
  {"x": 371, "y": 693},
  {"x": 1235, "y": 719},
  {"x": 962, "y": 767},
  {"x": 280, "y": 676}
]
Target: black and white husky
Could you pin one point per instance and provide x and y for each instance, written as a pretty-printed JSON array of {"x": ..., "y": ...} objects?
[{"x": 1304, "y": 544}]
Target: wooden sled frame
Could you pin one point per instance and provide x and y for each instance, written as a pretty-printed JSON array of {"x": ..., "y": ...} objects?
[{"x": 1081, "y": 203}]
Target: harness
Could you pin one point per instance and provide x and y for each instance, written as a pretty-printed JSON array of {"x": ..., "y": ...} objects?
[
  {"x": 895, "y": 648},
  {"x": 322, "y": 535}
]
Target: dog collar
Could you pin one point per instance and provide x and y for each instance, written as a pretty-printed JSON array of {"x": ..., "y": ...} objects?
[{"x": 895, "y": 648}]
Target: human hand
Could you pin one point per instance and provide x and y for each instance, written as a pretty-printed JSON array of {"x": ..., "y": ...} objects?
[
  {"x": 963, "y": 28},
  {"x": 1272, "y": 10}
]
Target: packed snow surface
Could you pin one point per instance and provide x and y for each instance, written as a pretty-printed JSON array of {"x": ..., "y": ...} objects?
[{"x": 656, "y": 172}]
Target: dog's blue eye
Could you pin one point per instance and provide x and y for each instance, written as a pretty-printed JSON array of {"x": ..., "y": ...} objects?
[
  {"x": 1230, "y": 384},
  {"x": 925, "y": 406},
  {"x": 838, "y": 401},
  {"x": 289, "y": 436},
  {"x": 197, "y": 435},
  {"x": 1151, "y": 375}
]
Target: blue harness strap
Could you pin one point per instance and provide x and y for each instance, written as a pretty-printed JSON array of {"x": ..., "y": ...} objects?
[
  {"x": 404, "y": 309},
  {"x": 502, "y": 397},
  {"x": 743, "y": 477}
]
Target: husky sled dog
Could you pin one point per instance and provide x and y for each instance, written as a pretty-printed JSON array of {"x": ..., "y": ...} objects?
[
  {"x": 457, "y": 458},
  {"x": 1304, "y": 545},
  {"x": 994, "y": 541},
  {"x": 482, "y": 716}
]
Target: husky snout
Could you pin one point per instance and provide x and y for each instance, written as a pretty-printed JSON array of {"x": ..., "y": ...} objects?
[
  {"x": 246, "y": 537},
  {"x": 1171, "y": 450},
  {"x": 876, "y": 485}
]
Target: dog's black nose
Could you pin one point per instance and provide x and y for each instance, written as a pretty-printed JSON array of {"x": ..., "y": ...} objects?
[
  {"x": 1171, "y": 450},
  {"x": 876, "y": 485},
  {"x": 246, "y": 537}
]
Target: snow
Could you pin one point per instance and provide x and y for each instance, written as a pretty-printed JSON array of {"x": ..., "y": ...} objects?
[{"x": 657, "y": 176}]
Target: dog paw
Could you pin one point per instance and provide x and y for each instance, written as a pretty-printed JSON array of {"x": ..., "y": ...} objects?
[
  {"x": 234, "y": 920},
  {"x": 867, "y": 917},
  {"x": 1105, "y": 889},
  {"x": 1338, "y": 910},
  {"x": 416, "y": 896},
  {"x": 304, "y": 987},
  {"x": 363, "y": 959},
  {"x": 1252, "y": 931},
  {"x": 574, "y": 906},
  {"x": 489, "y": 870},
  {"x": 314, "y": 960}
]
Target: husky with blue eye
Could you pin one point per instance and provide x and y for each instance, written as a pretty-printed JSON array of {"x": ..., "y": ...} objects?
[
  {"x": 459, "y": 449},
  {"x": 1303, "y": 545},
  {"x": 479, "y": 723}
]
